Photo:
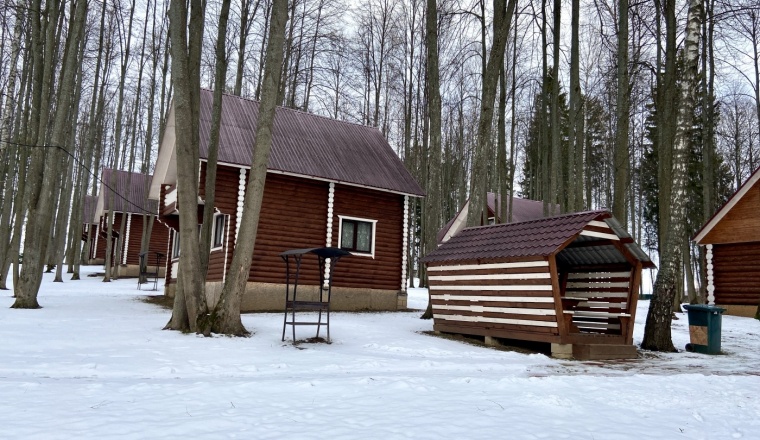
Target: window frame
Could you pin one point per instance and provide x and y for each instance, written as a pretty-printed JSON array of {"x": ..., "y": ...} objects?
[
  {"x": 214, "y": 244},
  {"x": 356, "y": 221},
  {"x": 175, "y": 246}
]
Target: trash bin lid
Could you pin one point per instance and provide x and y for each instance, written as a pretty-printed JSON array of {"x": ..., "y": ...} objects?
[{"x": 704, "y": 308}]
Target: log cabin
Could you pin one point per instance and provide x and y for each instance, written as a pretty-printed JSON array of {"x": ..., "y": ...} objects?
[
  {"x": 89, "y": 229},
  {"x": 571, "y": 281},
  {"x": 731, "y": 238},
  {"x": 522, "y": 210},
  {"x": 329, "y": 183},
  {"x": 135, "y": 211}
]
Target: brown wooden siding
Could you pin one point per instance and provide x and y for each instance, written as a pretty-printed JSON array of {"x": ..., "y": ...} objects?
[
  {"x": 597, "y": 300},
  {"x": 485, "y": 299},
  {"x": 740, "y": 224},
  {"x": 384, "y": 270},
  {"x": 293, "y": 216},
  {"x": 100, "y": 251},
  {"x": 158, "y": 239},
  {"x": 737, "y": 273},
  {"x": 225, "y": 202}
]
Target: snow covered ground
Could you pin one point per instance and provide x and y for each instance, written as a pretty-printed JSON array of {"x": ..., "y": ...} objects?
[{"x": 93, "y": 363}]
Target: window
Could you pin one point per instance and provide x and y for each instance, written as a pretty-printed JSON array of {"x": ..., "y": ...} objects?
[
  {"x": 357, "y": 235},
  {"x": 175, "y": 248},
  {"x": 219, "y": 222}
]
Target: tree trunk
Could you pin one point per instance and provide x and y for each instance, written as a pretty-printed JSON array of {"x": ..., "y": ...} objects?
[
  {"x": 478, "y": 210},
  {"x": 226, "y": 316},
  {"x": 41, "y": 201},
  {"x": 557, "y": 161},
  {"x": 213, "y": 146},
  {"x": 433, "y": 190},
  {"x": 657, "y": 334},
  {"x": 190, "y": 298},
  {"x": 622, "y": 160}
]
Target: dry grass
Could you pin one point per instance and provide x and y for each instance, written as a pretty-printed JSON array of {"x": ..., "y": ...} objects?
[{"x": 159, "y": 300}]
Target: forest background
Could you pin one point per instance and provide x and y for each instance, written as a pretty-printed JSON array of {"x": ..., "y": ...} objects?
[{"x": 650, "y": 109}]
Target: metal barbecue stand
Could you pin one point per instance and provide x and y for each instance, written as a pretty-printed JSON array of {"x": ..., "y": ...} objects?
[
  {"x": 322, "y": 304},
  {"x": 144, "y": 270}
]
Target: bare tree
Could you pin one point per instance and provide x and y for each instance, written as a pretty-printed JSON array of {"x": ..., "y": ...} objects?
[
  {"x": 478, "y": 211},
  {"x": 190, "y": 298},
  {"x": 225, "y": 318},
  {"x": 43, "y": 173}
]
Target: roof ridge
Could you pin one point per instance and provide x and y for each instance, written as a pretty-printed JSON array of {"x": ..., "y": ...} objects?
[
  {"x": 244, "y": 98},
  {"x": 543, "y": 219}
]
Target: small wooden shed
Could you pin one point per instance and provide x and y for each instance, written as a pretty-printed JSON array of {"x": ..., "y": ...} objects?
[
  {"x": 732, "y": 241},
  {"x": 570, "y": 280}
]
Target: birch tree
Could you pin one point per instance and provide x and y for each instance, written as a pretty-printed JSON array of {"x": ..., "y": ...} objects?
[{"x": 657, "y": 333}]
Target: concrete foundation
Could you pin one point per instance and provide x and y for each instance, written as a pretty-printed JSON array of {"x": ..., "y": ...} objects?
[
  {"x": 562, "y": 351},
  {"x": 746, "y": 311},
  {"x": 268, "y": 297},
  {"x": 491, "y": 341}
]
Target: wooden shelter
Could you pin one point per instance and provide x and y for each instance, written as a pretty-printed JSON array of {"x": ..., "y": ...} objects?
[
  {"x": 135, "y": 211},
  {"x": 732, "y": 241},
  {"x": 570, "y": 280},
  {"x": 329, "y": 183}
]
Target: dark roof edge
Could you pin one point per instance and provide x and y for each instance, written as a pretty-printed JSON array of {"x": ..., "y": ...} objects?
[
  {"x": 733, "y": 200},
  {"x": 296, "y": 110},
  {"x": 323, "y": 179},
  {"x": 572, "y": 214}
]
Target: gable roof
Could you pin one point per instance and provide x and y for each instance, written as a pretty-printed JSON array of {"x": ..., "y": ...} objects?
[
  {"x": 542, "y": 238},
  {"x": 88, "y": 210},
  {"x": 522, "y": 210},
  {"x": 303, "y": 145},
  {"x": 726, "y": 208},
  {"x": 131, "y": 191}
]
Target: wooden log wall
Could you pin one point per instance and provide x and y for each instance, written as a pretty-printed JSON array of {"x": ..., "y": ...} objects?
[
  {"x": 597, "y": 300},
  {"x": 159, "y": 239},
  {"x": 93, "y": 247},
  {"x": 293, "y": 215},
  {"x": 511, "y": 299},
  {"x": 737, "y": 273},
  {"x": 383, "y": 271},
  {"x": 225, "y": 202},
  {"x": 100, "y": 250}
]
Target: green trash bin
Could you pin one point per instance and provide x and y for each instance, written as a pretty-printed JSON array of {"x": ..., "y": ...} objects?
[{"x": 704, "y": 328}]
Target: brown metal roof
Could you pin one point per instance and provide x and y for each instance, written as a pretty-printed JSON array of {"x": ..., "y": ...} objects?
[
  {"x": 131, "y": 192},
  {"x": 536, "y": 238},
  {"x": 522, "y": 211},
  {"x": 308, "y": 145},
  {"x": 539, "y": 238},
  {"x": 88, "y": 210}
]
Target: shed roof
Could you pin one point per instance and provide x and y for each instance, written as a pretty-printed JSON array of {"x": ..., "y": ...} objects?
[
  {"x": 307, "y": 145},
  {"x": 542, "y": 238},
  {"x": 701, "y": 237},
  {"x": 129, "y": 193}
]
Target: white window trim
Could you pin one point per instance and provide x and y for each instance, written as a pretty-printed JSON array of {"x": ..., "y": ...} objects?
[
  {"x": 371, "y": 254},
  {"x": 175, "y": 252},
  {"x": 213, "y": 232}
]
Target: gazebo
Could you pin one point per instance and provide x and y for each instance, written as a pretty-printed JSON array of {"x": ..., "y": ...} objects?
[{"x": 571, "y": 281}]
